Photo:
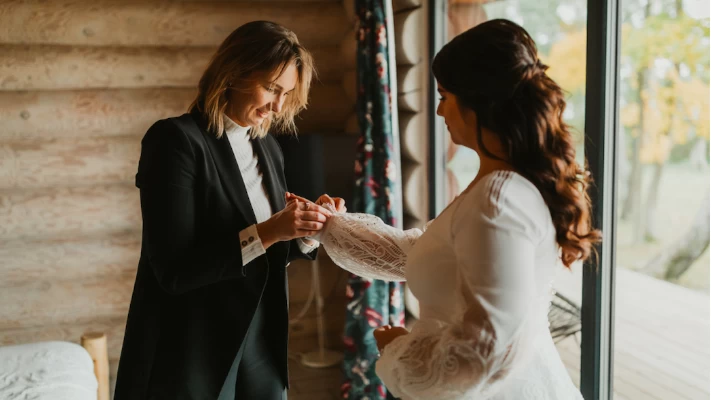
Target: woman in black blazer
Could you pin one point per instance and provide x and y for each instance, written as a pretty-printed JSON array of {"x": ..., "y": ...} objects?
[{"x": 209, "y": 313}]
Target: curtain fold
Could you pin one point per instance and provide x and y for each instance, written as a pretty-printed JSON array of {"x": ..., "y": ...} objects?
[{"x": 373, "y": 303}]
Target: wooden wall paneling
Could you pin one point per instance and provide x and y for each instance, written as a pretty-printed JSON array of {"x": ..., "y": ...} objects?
[
  {"x": 349, "y": 7},
  {"x": 79, "y": 258},
  {"x": 63, "y": 301},
  {"x": 410, "y": 101},
  {"x": 409, "y": 77},
  {"x": 327, "y": 111},
  {"x": 49, "y": 67},
  {"x": 352, "y": 126},
  {"x": 400, "y": 5},
  {"x": 412, "y": 143},
  {"x": 409, "y": 37},
  {"x": 410, "y": 222},
  {"x": 68, "y": 211},
  {"x": 414, "y": 185},
  {"x": 81, "y": 113},
  {"x": 32, "y": 163},
  {"x": 53, "y": 67},
  {"x": 160, "y": 23},
  {"x": 350, "y": 85},
  {"x": 349, "y": 49}
]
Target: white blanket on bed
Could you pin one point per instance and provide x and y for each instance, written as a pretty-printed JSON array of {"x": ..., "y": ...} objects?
[{"x": 46, "y": 371}]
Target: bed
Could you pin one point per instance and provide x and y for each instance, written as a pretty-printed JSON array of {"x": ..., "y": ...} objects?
[{"x": 56, "y": 370}]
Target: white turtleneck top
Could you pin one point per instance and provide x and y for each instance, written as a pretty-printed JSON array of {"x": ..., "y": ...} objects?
[{"x": 248, "y": 163}]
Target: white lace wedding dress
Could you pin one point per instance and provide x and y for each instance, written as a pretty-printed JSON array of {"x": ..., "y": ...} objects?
[{"x": 482, "y": 272}]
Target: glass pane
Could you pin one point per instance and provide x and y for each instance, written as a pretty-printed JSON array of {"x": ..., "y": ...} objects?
[
  {"x": 559, "y": 29},
  {"x": 662, "y": 260}
]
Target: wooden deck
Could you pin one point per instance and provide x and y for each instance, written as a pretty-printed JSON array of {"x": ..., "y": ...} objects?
[
  {"x": 661, "y": 338},
  {"x": 661, "y": 346}
]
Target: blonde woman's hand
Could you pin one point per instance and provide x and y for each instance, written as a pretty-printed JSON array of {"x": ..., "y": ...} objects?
[
  {"x": 336, "y": 203},
  {"x": 297, "y": 220}
]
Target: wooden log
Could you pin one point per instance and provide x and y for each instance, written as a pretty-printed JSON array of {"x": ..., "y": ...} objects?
[
  {"x": 399, "y": 5},
  {"x": 413, "y": 142},
  {"x": 410, "y": 101},
  {"x": 350, "y": 85},
  {"x": 327, "y": 111},
  {"x": 329, "y": 68},
  {"x": 80, "y": 258},
  {"x": 349, "y": 7},
  {"x": 409, "y": 37},
  {"x": 95, "y": 345},
  {"x": 349, "y": 50},
  {"x": 160, "y": 23},
  {"x": 409, "y": 78},
  {"x": 43, "y": 67},
  {"x": 88, "y": 112},
  {"x": 82, "y": 113},
  {"x": 410, "y": 222},
  {"x": 33, "y": 163},
  {"x": 414, "y": 184},
  {"x": 68, "y": 212},
  {"x": 352, "y": 127},
  {"x": 49, "y": 67},
  {"x": 44, "y": 302}
]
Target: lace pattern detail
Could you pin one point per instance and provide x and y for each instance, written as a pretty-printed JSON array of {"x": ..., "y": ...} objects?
[
  {"x": 444, "y": 361},
  {"x": 364, "y": 245}
]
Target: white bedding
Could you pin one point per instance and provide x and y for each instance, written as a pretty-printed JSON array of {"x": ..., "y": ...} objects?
[{"x": 46, "y": 371}]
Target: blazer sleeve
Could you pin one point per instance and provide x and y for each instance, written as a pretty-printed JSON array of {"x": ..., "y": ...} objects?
[{"x": 167, "y": 179}]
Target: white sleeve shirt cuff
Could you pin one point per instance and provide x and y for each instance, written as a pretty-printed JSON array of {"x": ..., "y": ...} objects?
[
  {"x": 251, "y": 244},
  {"x": 306, "y": 248}
]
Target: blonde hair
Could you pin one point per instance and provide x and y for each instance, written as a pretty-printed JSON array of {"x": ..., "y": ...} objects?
[{"x": 254, "y": 51}]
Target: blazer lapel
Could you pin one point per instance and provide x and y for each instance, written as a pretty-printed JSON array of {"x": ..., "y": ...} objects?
[
  {"x": 229, "y": 172},
  {"x": 270, "y": 175}
]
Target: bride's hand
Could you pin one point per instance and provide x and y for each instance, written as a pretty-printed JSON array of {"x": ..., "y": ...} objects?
[
  {"x": 386, "y": 334},
  {"x": 336, "y": 203}
]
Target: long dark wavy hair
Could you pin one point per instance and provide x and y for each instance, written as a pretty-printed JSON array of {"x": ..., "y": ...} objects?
[{"x": 494, "y": 70}]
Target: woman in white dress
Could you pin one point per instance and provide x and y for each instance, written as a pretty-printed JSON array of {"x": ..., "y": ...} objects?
[{"x": 483, "y": 270}]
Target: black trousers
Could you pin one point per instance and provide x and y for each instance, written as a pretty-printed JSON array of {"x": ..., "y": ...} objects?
[{"x": 257, "y": 377}]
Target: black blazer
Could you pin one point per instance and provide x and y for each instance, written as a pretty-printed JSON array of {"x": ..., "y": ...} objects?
[{"x": 193, "y": 300}]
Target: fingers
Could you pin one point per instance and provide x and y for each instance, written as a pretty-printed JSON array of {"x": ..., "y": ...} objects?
[
  {"x": 309, "y": 226},
  {"x": 316, "y": 208},
  {"x": 291, "y": 196},
  {"x": 326, "y": 199},
  {"x": 340, "y": 204},
  {"x": 312, "y": 216}
]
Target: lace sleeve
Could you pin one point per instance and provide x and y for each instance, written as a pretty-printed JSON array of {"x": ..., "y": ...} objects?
[
  {"x": 365, "y": 246},
  {"x": 471, "y": 354}
]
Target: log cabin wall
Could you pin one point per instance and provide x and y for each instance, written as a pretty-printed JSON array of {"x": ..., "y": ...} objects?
[
  {"x": 80, "y": 83},
  {"x": 412, "y": 59}
]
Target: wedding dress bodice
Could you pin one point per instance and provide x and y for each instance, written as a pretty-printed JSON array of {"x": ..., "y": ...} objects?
[{"x": 482, "y": 273}]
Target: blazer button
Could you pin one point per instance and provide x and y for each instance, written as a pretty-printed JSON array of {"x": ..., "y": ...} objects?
[{"x": 244, "y": 243}]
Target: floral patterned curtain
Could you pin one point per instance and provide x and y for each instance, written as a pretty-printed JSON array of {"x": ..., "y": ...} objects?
[{"x": 372, "y": 303}]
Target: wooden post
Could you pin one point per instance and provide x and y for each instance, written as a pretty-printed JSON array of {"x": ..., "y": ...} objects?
[{"x": 95, "y": 344}]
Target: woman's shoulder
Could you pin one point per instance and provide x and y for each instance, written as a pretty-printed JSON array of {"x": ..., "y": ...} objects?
[
  {"x": 184, "y": 125},
  {"x": 506, "y": 197}
]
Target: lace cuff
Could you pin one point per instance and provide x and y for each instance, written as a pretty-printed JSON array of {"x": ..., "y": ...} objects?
[
  {"x": 447, "y": 362},
  {"x": 365, "y": 246}
]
